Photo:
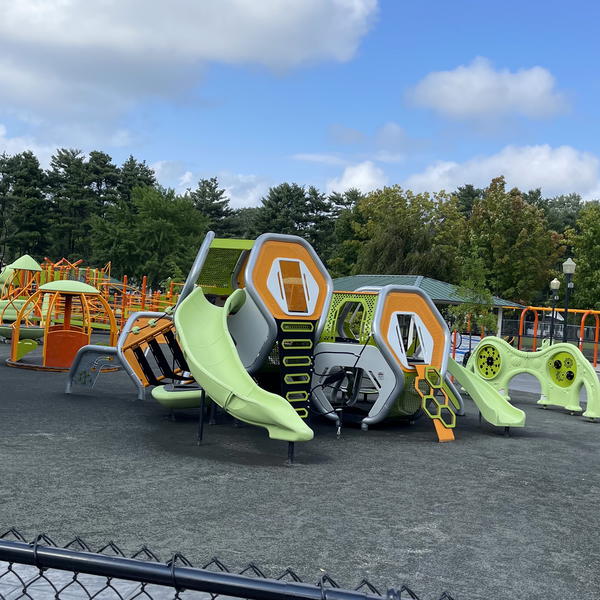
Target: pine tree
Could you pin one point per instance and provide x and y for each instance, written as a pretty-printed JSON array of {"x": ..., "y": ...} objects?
[
  {"x": 134, "y": 174},
  {"x": 467, "y": 195},
  {"x": 5, "y": 207},
  {"x": 283, "y": 210},
  {"x": 212, "y": 202},
  {"x": 242, "y": 223},
  {"x": 73, "y": 204},
  {"x": 28, "y": 205},
  {"x": 103, "y": 178}
]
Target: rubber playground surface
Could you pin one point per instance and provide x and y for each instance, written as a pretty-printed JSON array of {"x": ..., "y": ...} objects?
[{"x": 483, "y": 517}]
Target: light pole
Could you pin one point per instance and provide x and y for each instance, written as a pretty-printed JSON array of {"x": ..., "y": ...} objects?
[
  {"x": 568, "y": 268},
  {"x": 554, "y": 286}
]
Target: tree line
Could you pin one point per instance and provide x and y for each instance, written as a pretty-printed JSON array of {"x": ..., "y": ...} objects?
[{"x": 505, "y": 241}]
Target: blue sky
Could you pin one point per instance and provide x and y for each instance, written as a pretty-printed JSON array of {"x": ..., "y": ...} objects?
[{"x": 334, "y": 93}]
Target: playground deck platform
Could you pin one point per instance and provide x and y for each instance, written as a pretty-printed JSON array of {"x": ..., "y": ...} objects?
[{"x": 483, "y": 517}]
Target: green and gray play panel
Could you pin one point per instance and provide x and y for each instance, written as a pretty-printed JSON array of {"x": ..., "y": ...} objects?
[{"x": 561, "y": 370}]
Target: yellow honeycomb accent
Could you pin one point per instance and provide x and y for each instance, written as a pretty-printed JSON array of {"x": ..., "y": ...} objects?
[{"x": 434, "y": 400}]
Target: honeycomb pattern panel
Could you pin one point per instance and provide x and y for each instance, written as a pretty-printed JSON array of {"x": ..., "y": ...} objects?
[
  {"x": 433, "y": 377},
  {"x": 434, "y": 400},
  {"x": 338, "y": 301}
]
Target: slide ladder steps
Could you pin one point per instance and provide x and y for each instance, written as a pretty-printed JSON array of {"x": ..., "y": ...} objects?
[{"x": 295, "y": 342}]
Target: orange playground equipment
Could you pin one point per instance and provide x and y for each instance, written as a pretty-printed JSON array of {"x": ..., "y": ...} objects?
[
  {"x": 65, "y": 310},
  {"x": 534, "y": 324},
  {"x": 19, "y": 280}
]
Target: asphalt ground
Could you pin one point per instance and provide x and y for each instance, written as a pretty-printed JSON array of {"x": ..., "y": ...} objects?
[{"x": 484, "y": 517}]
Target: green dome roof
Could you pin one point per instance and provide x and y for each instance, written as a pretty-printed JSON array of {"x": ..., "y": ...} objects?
[
  {"x": 68, "y": 285},
  {"x": 25, "y": 263},
  {"x": 5, "y": 274}
]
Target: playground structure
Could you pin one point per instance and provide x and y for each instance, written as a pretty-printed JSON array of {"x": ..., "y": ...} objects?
[
  {"x": 267, "y": 307},
  {"x": 20, "y": 280},
  {"x": 64, "y": 312},
  {"x": 561, "y": 370},
  {"x": 286, "y": 290},
  {"x": 254, "y": 311},
  {"x": 403, "y": 345}
]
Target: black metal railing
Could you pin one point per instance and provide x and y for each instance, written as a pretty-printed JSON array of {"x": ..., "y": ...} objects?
[{"x": 41, "y": 569}]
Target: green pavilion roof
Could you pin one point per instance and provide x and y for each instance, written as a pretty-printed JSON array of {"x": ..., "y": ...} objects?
[{"x": 439, "y": 291}]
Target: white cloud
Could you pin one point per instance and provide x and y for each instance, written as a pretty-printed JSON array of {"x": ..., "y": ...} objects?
[
  {"x": 364, "y": 176},
  {"x": 478, "y": 90},
  {"x": 78, "y": 58},
  {"x": 243, "y": 190},
  {"x": 17, "y": 144},
  {"x": 559, "y": 170},
  {"x": 169, "y": 172},
  {"x": 185, "y": 180},
  {"x": 324, "y": 159}
]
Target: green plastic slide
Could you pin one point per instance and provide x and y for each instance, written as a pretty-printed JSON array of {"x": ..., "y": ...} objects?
[
  {"x": 171, "y": 397},
  {"x": 215, "y": 364},
  {"x": 494, "y": 408}
]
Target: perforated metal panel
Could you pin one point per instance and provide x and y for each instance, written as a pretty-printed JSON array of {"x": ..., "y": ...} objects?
[
  {"x": 216, "y": 273},
  {"x": 409, "y": 401},
  {"x": 362, "y": 327}
]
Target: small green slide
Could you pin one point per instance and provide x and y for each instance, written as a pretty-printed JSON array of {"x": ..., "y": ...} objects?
[
  {"x": 494, "y": 408},
  {"x": 215, "y": 364},
  {"x": 171, "y": 396}
]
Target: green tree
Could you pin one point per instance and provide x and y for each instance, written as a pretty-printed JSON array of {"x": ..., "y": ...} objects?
[
  {"x": 467, "y": 195},
  {"x": 319, "y": 223},
  {"x": 403, "y": 233},
  {"x": 168, "y": 231},
  {"x": 562, "y": 211},
  {"x": 213, "y": 203},
  {"x": 73, "y": 204},
  {"x": 348, "y": 228},
  {"x": 283, "y": 210},
  {"x": 449, "y": 238},
  {"x": 292, "y": 209},
  {"x": 103, "y": 179},
  {"x": 242, "y": 223},
  {"x": 30, "y": 219},
  {"x": 114, "y": 238},
  {"x": 6, "y": 204},
  {"x": 477, "y": 312},
  {"x": 514, "y": 242},
  {"x": 134, "y": 174},
  {"x": 586, "y": 244},
  {"x": 157, "y": 234}
]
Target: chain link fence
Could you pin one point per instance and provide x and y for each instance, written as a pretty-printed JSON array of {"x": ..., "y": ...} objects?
[{"x": 43, "y": 570}]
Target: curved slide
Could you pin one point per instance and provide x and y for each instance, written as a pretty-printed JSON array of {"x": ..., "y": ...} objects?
[
  {"x": 493, "y": 407},
  {"x": 215, "y": 364}
]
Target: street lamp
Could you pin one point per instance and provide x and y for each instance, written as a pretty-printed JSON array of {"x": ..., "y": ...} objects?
[
  {"x": 554, "y": 286},
  {"x": 568, "y": 268}
]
